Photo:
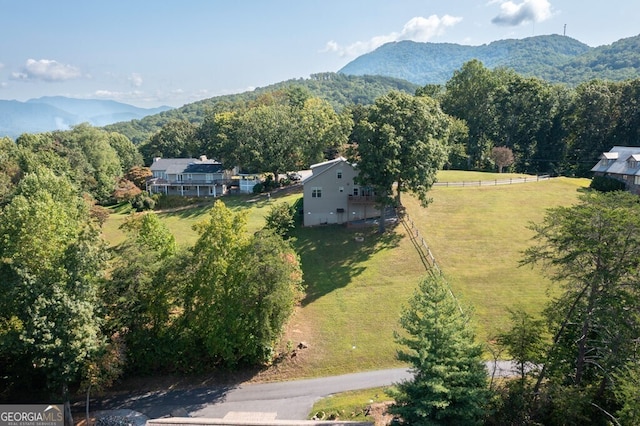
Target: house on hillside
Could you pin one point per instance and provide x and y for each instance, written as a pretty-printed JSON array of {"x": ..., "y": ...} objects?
[
  {"x": 193, "y": 177},
  {"x": 621, "y": 163},
  {"x": 332, "y": 196}
]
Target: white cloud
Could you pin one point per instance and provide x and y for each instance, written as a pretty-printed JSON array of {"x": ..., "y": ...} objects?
[
  {"x": 135, "y": 79},
  {"x": 512, "y": 14},
  {"x": 47, "y": 70},
  {"x": 416, "y": 29},
  {"x": 110, "y": 94}
]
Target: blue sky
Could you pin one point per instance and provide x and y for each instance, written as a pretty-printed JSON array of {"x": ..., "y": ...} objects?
[{"x": 168, "y": 52}]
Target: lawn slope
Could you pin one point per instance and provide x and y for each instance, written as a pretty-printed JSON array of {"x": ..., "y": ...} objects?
[{"x": 356, "y": 290}]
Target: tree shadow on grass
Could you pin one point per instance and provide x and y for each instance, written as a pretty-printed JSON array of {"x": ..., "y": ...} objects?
[{"x": 331, "y": 257}]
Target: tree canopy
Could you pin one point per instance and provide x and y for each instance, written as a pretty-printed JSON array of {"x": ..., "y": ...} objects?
[
  {"x": 401, "y": 140},
  {"x": 592, "y": 251},
  {"x": 51, "y": 262}
]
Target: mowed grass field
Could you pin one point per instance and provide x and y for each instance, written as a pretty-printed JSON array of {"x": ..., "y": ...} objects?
[
  {"x": 356, "y": 290},
  {"x": 478, "y": 234}
]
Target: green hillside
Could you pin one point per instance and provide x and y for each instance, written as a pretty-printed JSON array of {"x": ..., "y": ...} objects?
[
  {"x": 337, "y": 89},
  {"x": 555, "y": 58}
]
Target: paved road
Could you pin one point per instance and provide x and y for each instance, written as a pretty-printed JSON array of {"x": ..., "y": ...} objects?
[{"x": 288, "y": 400}]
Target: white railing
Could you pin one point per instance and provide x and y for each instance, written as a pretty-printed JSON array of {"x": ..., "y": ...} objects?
[{"x": 495, "y": 182}]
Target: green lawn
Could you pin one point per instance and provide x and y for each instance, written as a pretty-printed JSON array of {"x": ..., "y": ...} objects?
[
  {"x": 356, "y": 290},
  {"x": 464, "y": 176},
  {"x": 181, "y": 221},
  {"x": 350, "y": 406},
  {"x": 477, "y": 235}
]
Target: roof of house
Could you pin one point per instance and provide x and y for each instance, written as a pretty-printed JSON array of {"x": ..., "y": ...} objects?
[
  {"x": 186, "y": 165},
  {"x": 330, "y": 162},
  {"x": 321, "y": 168},
  {"x": 619, "y": 155}
]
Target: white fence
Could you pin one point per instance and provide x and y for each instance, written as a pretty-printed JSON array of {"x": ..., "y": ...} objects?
[{"x": 495, "y": 182}]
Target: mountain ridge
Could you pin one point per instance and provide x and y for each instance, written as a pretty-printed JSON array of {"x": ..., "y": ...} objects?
[
  {"x": 50, "y": 113},
  {"x": 555, "y": 58}
]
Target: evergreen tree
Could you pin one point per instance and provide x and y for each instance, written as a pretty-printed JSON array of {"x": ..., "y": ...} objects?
[{"x": 449, "y": 383}]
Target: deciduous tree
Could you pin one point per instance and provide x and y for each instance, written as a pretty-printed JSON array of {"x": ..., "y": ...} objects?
[
  {"x": 51, "y": 260},
  {"x": 237, "y": 291},
  {"x": 592, "y": 251},
  {"x": 280, "y": 219},
  {"x": 402, "y": 141},
  {"x": 502, "y": 156}
]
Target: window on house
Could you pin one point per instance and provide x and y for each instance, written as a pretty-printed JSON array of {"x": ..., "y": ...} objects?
[
  {"x": 179, "y": 178},
  {"x": 636, "y": 180},
  {"x": 339, "y": 174},
  {"x": 355, "y": 191},
  {"x": 316, "y": 192},
  {"x": 632, "y": 164}
]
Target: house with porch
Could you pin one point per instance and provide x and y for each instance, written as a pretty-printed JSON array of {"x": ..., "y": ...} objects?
[
  {"x": 331, "y": 195},
  {"x": 621, "y": 163},
  {"x": 193, "y": 177}
]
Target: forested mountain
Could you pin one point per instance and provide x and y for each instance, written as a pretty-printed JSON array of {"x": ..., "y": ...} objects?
[
  {"x": 555, "y": 58},
  {"x": 337, "y": 89},
  {"x": 60, "y": 113}
]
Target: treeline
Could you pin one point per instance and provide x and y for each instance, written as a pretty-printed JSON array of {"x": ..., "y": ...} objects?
[
  {"x": 338, "y": 90},
  {"x": 550, "y": 128}
]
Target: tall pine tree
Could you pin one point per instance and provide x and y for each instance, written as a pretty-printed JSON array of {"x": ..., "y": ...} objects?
[{"x": 449, "y": 386}]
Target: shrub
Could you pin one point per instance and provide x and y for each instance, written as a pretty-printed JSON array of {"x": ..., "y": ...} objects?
[
  {"x": 606, "y": 184},
  {"x": 280, "y": 219},
  {"x": 143, "y": 202}
]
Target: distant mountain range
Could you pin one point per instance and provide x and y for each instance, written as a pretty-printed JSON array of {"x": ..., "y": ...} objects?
[
  {"x": 60, "y": 113},
  {"x": 554, "y": 58}
]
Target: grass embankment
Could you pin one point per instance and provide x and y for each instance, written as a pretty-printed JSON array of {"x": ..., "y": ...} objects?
[
  {"x": 361, "y": 406},
  {"x": 356, "y": 290}
]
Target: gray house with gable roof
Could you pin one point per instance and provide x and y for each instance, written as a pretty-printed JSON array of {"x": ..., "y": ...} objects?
[
  {"x": 331, "y": 195},
  {"x": 621, "y": 163}
]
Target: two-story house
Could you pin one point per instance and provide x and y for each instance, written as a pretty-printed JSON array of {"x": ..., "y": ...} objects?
[
  {"x": 189, "y": 177},
  {"x": 621, "y": 163},
  {"x": 332, "y": 196}
]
